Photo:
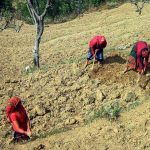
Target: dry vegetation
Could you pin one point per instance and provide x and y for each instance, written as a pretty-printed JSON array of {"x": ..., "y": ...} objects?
[{"x": 61, "y": 99}]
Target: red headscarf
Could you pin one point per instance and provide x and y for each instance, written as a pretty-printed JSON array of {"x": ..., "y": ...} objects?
[
  {"x": 12, "y": 103},
  {"x": 101, "y": 40}
]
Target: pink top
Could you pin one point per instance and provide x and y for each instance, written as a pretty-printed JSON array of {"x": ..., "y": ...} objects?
[
  {"x": 97, "y": 42},
  {"x": 140, "y": 46}
]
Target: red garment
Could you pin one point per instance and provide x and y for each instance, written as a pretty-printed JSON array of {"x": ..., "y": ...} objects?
[
  {"x": 21, "y": 117},
  {"x": 139, "y": 47},
  {"x": 16, "y": 112},
  {"x": 12, "y": 103},
  {"x": 97, "y": 42},
  {"x": 131, "y": 62}
]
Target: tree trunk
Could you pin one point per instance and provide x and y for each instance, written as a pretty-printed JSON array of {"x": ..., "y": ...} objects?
[
  {"x": 36, "y": 53},
  {"x": 39, "y": 31},
  {"x": 38, "y": 19}
]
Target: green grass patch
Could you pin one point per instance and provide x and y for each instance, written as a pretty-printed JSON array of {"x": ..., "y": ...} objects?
[
  {"x": 110, "y": 111},
  {"x": 133, "y": 105}
]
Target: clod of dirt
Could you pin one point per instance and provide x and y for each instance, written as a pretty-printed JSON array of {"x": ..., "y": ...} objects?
[
  {"x": 39, "y": 147},
  {"x": 40, "y": 110},
  {"x": 100, "y": 96},
  {"x": 70, "y": 121}
]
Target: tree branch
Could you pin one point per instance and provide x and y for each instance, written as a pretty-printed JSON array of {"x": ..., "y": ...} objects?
[
  {"x": 139, "y": 8},
  {"x": 37, "y": 7},
  {"x": 46, "y": 7},
  {"x": 31, "y": 14},
  {"x": 30, "y": 6}
]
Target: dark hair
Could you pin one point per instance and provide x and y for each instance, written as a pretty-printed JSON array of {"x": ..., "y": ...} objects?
[
  {"x": 145, "y": 49},
  {"x": 18, "y": 105}
]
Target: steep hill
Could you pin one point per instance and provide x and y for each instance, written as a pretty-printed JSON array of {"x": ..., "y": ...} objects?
[{"x": 63, "y": 101}]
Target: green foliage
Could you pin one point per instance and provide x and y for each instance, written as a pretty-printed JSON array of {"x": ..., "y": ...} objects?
[
  {"x": 6, "y": 14},
  {"x": 112, "y": 3},
  {"x": 6, "y": 9},
  {"x": 95, "y": 3},
  {"x": 59, "y": 11},
  {"x": 133, "y": 105},
  {"x": 6, "y": 5},
  {"x": 110, "y": 111},
  {"x": 24, "y": 12}
]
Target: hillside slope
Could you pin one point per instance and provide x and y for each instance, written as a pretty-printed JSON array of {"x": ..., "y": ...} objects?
[{"x": 61, "y": 98}]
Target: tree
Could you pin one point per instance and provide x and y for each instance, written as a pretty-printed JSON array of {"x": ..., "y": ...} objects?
[
  {"x": 139, "y": 4},
  {"x": 9, "y": 19},
  {"x": 78, "y": 4},
  {"x": 8, "y": 16},
  {"x": 34, "y": 9}
]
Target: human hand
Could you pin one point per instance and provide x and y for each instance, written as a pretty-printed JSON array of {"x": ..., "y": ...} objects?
[
  {"x": 143, "y": 71},
  {"x": 140, "y": 71},
  {"x": 28, "y": 133}
]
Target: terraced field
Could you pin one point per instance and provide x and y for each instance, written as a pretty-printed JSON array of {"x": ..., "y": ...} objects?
[{"x": 62, "y": 100}]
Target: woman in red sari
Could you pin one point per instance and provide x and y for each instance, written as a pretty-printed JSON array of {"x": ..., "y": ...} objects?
[
  {"x": 138, "y": 58},
  {"x": 96, "y": 46},
  {"x": 18, "y": 118}
]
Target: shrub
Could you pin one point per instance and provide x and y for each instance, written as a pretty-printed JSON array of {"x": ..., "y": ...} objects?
[{"x": 110, "y": 111}]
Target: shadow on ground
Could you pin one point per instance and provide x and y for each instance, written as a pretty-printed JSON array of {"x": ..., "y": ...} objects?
[{"x": 115, "y": 59}]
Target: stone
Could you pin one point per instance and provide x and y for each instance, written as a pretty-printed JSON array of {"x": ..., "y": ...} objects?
[
  {"x": 28, "y": 69},
  {"x": 75, "y": 87},
  {"x": 14, "y": 81},
  {"x": 40, "y": 110},
  {"x": 97, "y": 82},
  {"x": 89, "y": 100},
  {"x": 70, "y": 121},
  {"x": 115, "y": 95},
  {"x": 70, "y": 108},
  {"x": 84, "y": 79},
  {"x": 39, "y": 147},
  {"x": 2, "y": 94},
  {"x": 100, "y": 96},
  {"x": 29, "y": 95},
  {"x": 62, "y": 99},
  {"x": 32, "y": 114},
  {"x": 115, "y": 130},
  {"x": 58, "y": 81},
  {"x": 7, "y": 81}
]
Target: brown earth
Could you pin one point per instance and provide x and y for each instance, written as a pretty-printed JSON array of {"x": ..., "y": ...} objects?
[{"x": 61, "y": 99}]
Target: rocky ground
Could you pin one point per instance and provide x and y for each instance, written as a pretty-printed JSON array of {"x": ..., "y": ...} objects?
[{"x": 69, "y": 108}]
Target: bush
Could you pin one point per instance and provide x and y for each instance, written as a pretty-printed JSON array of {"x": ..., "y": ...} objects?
[
  {"x": 23, "y": 11},
  {"x": 110, "y": 111},
  {"x": 60, "y": 10}
]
